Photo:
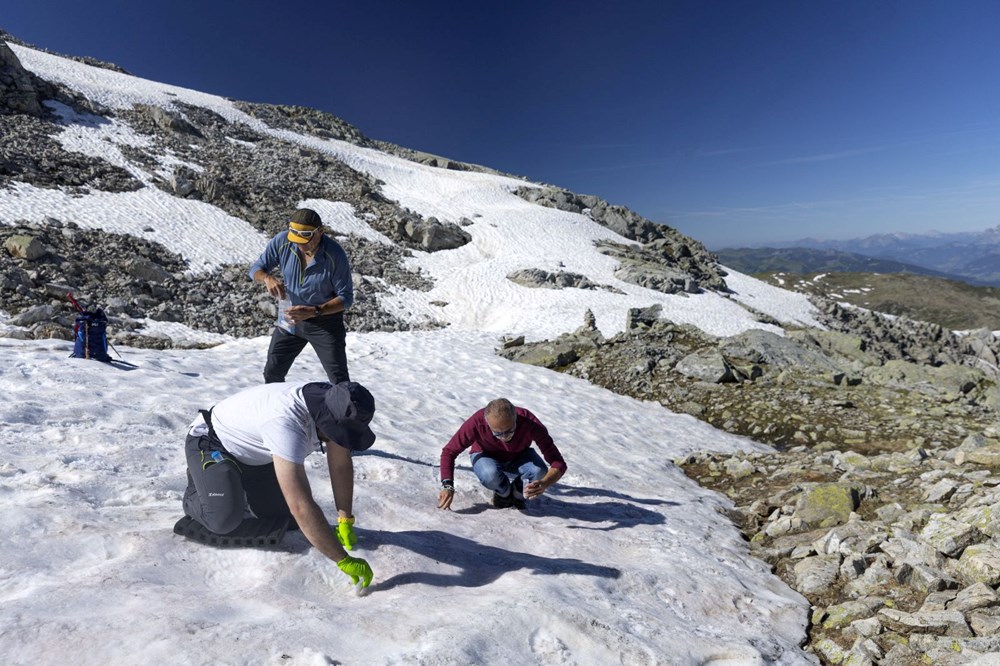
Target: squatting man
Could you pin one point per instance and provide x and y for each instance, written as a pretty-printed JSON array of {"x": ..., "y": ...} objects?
[{"x": 500, "y": 437}]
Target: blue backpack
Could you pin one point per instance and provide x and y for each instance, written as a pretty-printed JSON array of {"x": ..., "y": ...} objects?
[{"x": 91, "y": 336}]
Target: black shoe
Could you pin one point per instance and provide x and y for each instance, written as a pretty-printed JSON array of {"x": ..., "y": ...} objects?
[
  {"x": 517, "y": 495},
  {"x": 504, "y": 501}
]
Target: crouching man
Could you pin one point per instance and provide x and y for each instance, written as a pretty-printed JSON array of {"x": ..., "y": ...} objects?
[
  {"x": 249, "y": 451},
  {"x": 500, "y": 436}
]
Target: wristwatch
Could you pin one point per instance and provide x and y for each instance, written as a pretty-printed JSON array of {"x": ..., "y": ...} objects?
[{"x": 318, "y": 309}]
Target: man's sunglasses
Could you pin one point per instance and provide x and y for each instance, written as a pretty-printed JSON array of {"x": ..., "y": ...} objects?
[
  {"x": 305, "y": 234},
  {"x": 505, "y": 433}
]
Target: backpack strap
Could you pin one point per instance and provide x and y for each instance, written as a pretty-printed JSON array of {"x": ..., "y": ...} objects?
[
  {"x": 215, "y": 452},
  {"x": 212, "y": 436}
]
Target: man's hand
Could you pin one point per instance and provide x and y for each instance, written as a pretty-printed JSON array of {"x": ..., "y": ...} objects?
[
  {"x": 275, "y": 287},
  {"x": 446, "y": 495},
  {"x": 345, "y": 532},
  {"x": 299, "y": 313},
  {"x": 534, "y": 489},
  {"x": 357, "y": 569}
]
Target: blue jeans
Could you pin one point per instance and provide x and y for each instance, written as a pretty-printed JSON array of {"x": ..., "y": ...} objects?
[{"x": 499, "y": 476}]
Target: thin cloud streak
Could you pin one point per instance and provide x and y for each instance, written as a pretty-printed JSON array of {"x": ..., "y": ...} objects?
[{"x": 825, "y": 157}]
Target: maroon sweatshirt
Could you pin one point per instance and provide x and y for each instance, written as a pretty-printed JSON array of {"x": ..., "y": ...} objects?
[{"x": 475, "y": 432}]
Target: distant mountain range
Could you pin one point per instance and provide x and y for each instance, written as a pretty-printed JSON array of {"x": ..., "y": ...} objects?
[{"x": 972, "y": 257}]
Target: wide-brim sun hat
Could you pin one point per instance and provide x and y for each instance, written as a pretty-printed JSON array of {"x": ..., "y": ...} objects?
[{"x": 342, "y": 413}]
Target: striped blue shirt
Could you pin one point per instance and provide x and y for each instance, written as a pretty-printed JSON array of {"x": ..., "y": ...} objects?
[{"x": 327, "y": 276}]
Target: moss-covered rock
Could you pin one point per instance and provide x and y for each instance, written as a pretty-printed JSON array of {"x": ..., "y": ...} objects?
[{"x": 827, "y": 504}]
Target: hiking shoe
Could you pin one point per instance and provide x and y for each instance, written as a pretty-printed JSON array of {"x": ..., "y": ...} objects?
[
  {"x": 503, "y": 501},
  {"x": 517, "y": 495}
]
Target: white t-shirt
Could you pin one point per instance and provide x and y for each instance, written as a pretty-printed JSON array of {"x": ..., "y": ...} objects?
[{"x": 264, "y": 421}]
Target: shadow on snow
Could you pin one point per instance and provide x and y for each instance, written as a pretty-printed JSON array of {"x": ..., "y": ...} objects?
[{"x": 478, "y": 564}]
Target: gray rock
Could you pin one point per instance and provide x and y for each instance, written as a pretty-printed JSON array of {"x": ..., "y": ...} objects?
[
  {"x": 938, "y": 601},
  {"x": 922, "y": 578},
  {"x": 708, "y": 366},
  {"x": 827, "y": 504},
  {"x": 18, "y": 93},
  {"x": 639, "y": 318},
  {"x": 868, "y": 627},
  {"x": 950, "y": 536},
  {"x": 830, "y": 651},
  {"x": 976, "y": 596},
  {"x": 25, "y": 247},
  {"x": 776, "y": 351},
  {"x": 856, "y": 536},
  {"x": 900, "y": 654},
  {"x": 985, "y": 623},
  {"x": 987, "y": 455},
  {"x": 739, "y": 469},
  {"x": 433, "y": 236},
  {"x": 546, "y": 355},
  {"x": 949, "y": 380},
  {"x": 979, "y": 563},
  {"x": 941, "y": 491},
  {"x": 144, "y": 269},
  {"x": 815, "y": 575},
  {"x": 877, "y": 580},
  {"x": 537, "y": 278},
  {"x": 34, "y": 315},
  {"x": 847, "y": 613},
  {"x": 904, "y": 548},
  {"x": 938, "y": 623},
  {"x": 853, "y": 566}
]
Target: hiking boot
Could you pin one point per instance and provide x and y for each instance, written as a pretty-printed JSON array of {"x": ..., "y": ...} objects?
[
  {"x": 503, "y": 501},
  {"x": 517, "y": 495}
]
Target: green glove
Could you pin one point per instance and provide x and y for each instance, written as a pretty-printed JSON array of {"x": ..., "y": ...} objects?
[
  {"x": 345, "y": 532},
  {"x": 357, "y": 569}
]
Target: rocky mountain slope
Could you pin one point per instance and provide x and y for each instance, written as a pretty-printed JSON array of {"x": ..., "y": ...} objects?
[
  {"x": 252, "y": 176},
  {"x": 756, "y": 261},
  {"x": 949, "y": 303}
]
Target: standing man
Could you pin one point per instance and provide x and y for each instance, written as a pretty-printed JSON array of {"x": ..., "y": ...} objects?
[
  {"x": 502, "y": 458},
  {"x": 249, "y": 451},
  {"x": 316, "y": 280}
]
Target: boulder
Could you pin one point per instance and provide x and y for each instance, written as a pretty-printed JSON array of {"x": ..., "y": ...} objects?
[
  {"x": 937, "y": 623},
  {"x": 976, "y": 596},
  {"x": 18, "y": 93},
  {"x": 980, "y": 563},
  {"x": 25, "y": 247},
  {"x": 946, "y": 380},
  {"x": 950, "y": 536},
  {"x": 827, "y": 504},
  {"x": 841, "y": 615},
  {"x": 815, "y": 575},
  {"x": 708, "y": 366}
]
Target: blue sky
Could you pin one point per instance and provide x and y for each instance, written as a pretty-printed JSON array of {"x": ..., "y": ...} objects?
[{"x": 736, "y": 122}]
